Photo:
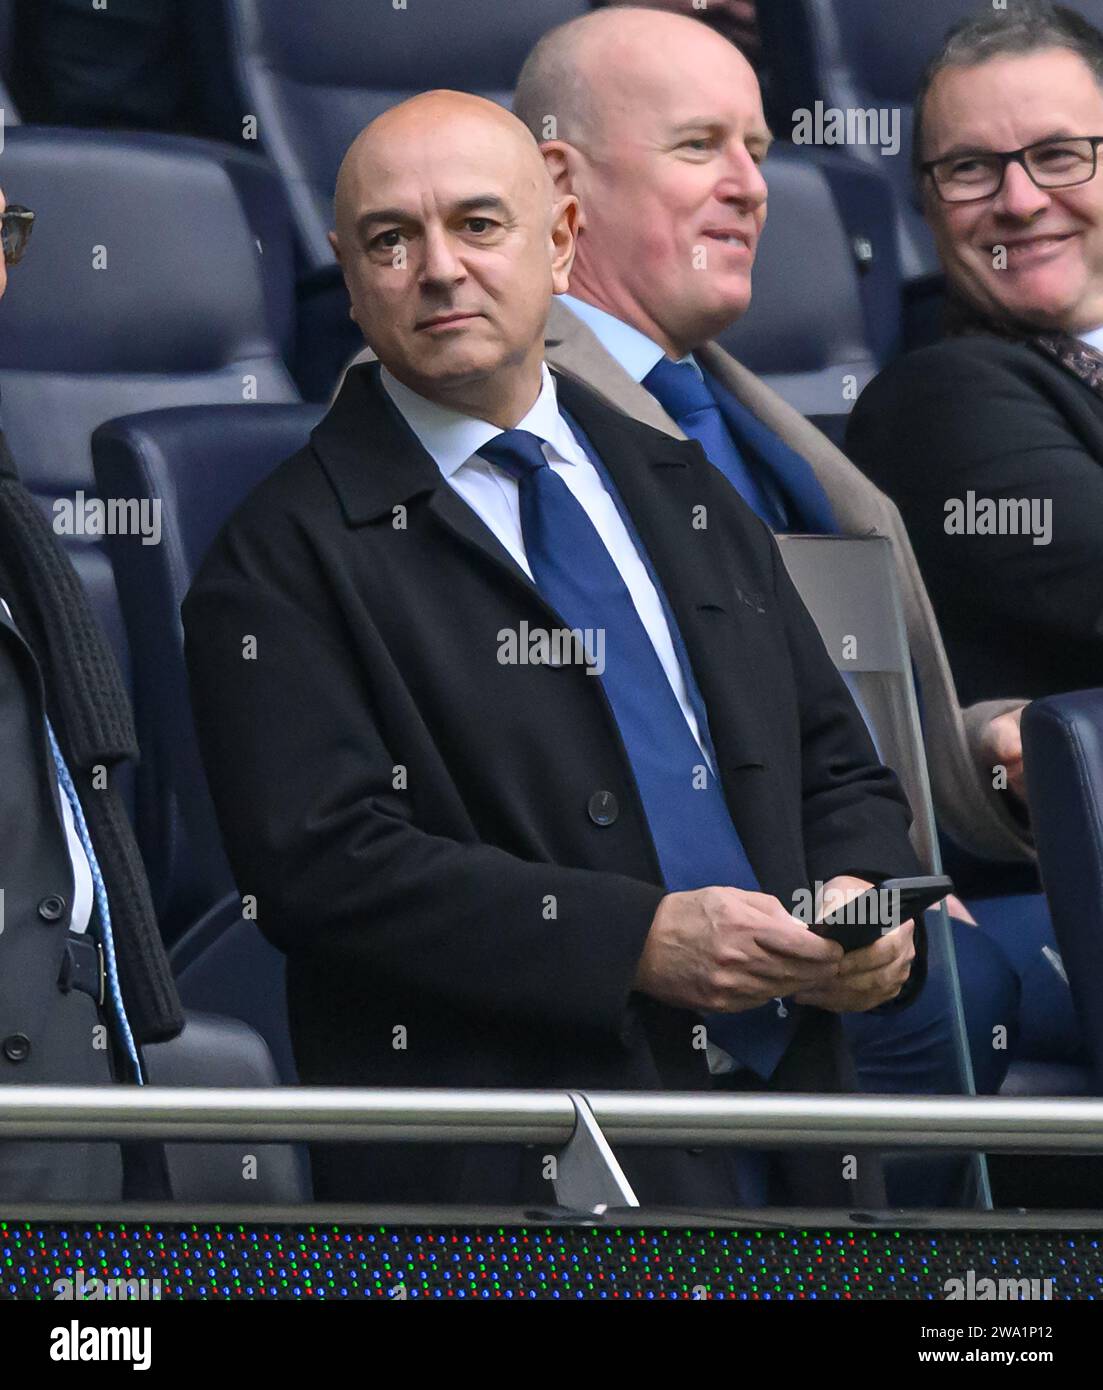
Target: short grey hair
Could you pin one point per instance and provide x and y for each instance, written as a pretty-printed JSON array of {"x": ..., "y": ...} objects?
[{"x": 1028, "y": 26}]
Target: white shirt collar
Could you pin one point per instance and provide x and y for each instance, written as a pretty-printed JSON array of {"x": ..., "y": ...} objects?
[
  {"x": 1093, "y": 339},
  {"x": 451, "y": 438},
  {"x": 635, "y": 351}
]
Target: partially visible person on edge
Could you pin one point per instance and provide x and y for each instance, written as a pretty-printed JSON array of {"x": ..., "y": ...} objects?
[
  {"x": 991, "y": 442},
  {"x": 81, "y": 959}
]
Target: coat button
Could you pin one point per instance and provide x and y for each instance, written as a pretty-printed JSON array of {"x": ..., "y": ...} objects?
[
  {"x": 17, "y": 1047},
  {"x": 602, "y": 808},
  {"x": 52, "y": 909}
]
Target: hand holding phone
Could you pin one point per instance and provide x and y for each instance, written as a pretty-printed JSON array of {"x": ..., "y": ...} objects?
[{"x": 866, "y": 918}]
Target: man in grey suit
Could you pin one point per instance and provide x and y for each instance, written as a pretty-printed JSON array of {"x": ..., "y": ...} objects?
[{"x": 655, "y": 123}]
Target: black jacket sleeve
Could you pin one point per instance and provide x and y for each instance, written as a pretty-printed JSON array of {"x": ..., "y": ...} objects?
[
  {"x": 303, "y": 782},
  {"x": 982, "y": 415}
]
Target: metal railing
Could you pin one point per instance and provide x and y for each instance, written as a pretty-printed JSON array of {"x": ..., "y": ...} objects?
[{"x": 583, "y": 1129}]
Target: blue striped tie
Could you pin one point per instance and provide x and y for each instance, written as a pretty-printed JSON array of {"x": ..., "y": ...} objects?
[
  {"x": 695, "y": 839},
  {"x": 100, "y": 892}
]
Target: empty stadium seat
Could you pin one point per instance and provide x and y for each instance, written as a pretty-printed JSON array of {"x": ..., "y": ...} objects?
[
  {"x": 145, "y": 286},
  {"x": 821, "y": 326},
  {"x": 200, "y": 463},
  {"x": 1063, "y": 759},
  {"x": 225, "y": 1052},
  {"x": 223, "y": 964},
  {"x": 863, "y": 54},
  {"x": 314, "y": 75}
]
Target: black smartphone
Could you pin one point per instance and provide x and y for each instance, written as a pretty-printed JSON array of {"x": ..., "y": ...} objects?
[{"x": 866, "y": 918}]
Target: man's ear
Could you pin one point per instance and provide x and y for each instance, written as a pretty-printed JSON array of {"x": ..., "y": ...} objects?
[
  {"x": 333, "y": 240},
  {"x": 557, "y": 156},
  {"x": 566, "y": 220}
]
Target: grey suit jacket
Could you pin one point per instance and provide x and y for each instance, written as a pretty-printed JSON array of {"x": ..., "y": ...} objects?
[{"x": 966, "y": 804}]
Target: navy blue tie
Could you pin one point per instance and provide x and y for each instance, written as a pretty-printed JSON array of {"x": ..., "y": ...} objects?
[
  {"x": 695, "y": 839},
  {"x": 685, "y": 396}
]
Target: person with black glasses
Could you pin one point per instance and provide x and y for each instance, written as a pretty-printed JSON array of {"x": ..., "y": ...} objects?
[
  {"x": 991, "y": 442},
  {"x": 84, "y": 981}
]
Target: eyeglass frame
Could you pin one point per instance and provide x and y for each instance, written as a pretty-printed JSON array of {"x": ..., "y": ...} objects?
[
  {"x": 24, "y": 219},
  {"x": 1014, "y": 157}
]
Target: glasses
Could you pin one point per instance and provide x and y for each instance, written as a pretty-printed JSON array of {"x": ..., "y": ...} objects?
[
  {"x": 967, "y": 178},
  {"x": 15, "y": 232}
]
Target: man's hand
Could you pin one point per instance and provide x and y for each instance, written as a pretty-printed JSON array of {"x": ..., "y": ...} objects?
[
  {"x": 724, "y": 950},
  {"x": 868, "y": 977},
  {"x": 1002, "y": 744}
]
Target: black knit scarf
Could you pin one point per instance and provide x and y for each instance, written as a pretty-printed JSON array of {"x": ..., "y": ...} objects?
[{"x": 88, "y": 707}]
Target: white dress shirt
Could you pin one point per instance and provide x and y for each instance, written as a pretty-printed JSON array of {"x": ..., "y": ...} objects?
[
  {"x": 635, "y": 351},
  {"x": 1093, "y": 339},
  {"x": 453, "y": 441},
  {"x": 82, "y": 872}
]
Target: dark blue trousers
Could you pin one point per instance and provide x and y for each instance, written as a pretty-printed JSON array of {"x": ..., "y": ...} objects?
[{"x": 910, "y": 1052}]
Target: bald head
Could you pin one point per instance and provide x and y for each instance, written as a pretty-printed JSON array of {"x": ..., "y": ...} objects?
[
  {"x": 583, "y": 71},
  {"x": 452, "y": 239},
  {"x": 444, "y": 123},
  {"x": 655, "y": 123}
]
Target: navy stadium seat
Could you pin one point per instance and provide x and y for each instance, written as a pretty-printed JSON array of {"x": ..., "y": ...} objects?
[
  {"x": 178, "y": 314},
  {"x": 225, "y": 1052},
  {"x": 201, "y": 463},
  {"x": 1063, "y": 759},
  {"x": 821, "y": 326},
  {"x": 183, "y": 311},
  {"x": 862, "y": 54},
  {"x": 314, "y": 75}
]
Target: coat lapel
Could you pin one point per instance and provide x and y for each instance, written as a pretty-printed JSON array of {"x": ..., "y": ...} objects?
[
  {"x": 723, "y": 626},
  {"x": 574, "y": 350},
  {"x": 657, "y": 478},
  {"x": 371, "y": 483}
]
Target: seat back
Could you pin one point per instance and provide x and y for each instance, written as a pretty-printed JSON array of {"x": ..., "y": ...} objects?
[
  {"x": 314, "y": 75},
  {"x": 820, "y": 327},
  {"x": 198, "y": 463},
  {"x": 142, "y": 288},
  {"x": 849, "y": 587},
  {"x": 1063, "y": 761},
  {"x": 223, "y": 1052},
  {"x": 145, "y": 285}
]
